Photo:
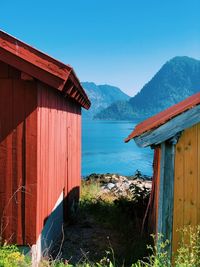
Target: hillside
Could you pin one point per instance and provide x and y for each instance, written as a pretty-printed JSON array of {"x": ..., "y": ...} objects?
[
  {"x": 175, "y": 81},
  {"x": 101, "y": 97}
]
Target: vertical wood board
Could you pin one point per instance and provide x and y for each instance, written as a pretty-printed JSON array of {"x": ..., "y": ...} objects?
[
  {"x": 186, "y": 188},
  {"x": 166, "y": 194}
]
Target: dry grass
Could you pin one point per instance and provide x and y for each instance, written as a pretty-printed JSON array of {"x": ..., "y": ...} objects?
[
  {"x": 101, "y": 215},
  {"x": 89, "y": 190}
]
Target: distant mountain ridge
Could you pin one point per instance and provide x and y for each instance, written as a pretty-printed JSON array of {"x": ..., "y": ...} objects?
[
  {"x": 177, "y": 79},
  {"x": 101, "y": 97}
]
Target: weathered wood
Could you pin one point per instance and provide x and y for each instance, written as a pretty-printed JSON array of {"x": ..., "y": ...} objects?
[
  {"x": 154, "y": 200},
  {"x": 157, "y": 188},
  {"x": 198, "y": 170},
  {"x": 166, "y": 195},
  {"x": 170, "y": 128},
  {"x": 186, "y": 182},
  {"x": 164, "y": 116},
  {"x": 178, "y": 191},
  {"x": 190, "y": 172}
]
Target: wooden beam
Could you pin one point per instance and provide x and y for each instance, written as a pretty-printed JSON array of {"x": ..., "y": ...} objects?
[
  {"x": 170, "y": 128},
  {"x": 166, "y": 194}
]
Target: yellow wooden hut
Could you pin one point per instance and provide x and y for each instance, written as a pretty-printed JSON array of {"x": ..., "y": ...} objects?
[{"x": 174, "y": 134}]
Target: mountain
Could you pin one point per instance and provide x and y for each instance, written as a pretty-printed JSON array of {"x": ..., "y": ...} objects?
[
  {"x": 176, "y": 80},
  {"x": 101, "y": 97}
]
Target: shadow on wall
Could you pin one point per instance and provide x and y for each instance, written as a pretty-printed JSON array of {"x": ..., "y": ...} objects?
[
  {"x": 50, "y": 240},
  {"x": 18, "y": 157},
  {"x": 20, "y": 100}
]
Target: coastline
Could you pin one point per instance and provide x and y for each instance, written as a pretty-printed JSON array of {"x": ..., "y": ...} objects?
[
  {"x": 102, "y": 176},
  {"x": 119, "y": 185}
]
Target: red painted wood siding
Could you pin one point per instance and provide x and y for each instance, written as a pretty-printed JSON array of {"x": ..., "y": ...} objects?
[
  {"x": 58, "y": 151},
  {"x": 18, "y": 114},
  {"x": 40, "y": 154},
  {"x": 42, "y": 67},
  {"x": 154, "y": 197}
]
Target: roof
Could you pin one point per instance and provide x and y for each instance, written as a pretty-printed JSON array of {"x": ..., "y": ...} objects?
[
  {"x": 42, "y": 67},
  {"x": 164, "y": 116}
]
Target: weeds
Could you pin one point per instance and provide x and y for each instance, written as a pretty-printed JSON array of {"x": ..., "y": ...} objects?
[
  {"x": 123, "y": 215},
  {"x": 10, "y": 256},
  {"x": 89, "y": 191},
  {"x": 188, "y": 253}
]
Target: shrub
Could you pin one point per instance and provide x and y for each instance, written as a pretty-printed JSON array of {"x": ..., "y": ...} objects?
[
  {"x": 158, "y": 255},
  {"x": 187, "y": 255},
  {"x": 10, "y": 256}
]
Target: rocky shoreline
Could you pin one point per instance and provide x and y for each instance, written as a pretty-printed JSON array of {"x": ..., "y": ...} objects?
[{"x": 119, "y": 185}]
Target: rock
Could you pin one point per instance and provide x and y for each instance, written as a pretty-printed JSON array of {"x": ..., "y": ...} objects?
[
  {"x": 110, "y": 186},
  {"x": 119, "y": 185}
]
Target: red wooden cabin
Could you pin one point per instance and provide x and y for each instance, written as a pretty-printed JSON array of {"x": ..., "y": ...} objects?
[{"x": 40, "y": 142}]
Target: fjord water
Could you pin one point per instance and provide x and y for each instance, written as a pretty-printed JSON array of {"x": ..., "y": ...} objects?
[{"x": 104, "y": 150}]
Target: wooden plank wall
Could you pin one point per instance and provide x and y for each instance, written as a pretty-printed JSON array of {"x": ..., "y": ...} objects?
[
  {"x": 59, "y": 151},
  {"x": 170, "y": 128},
  {"x": 187, "y": 182},
  {"x": 40, "y": 154},
  {"x": 166, "y": 193},
  {"x": 153, "y": 214},
  {"x": 18, "y": 102}
]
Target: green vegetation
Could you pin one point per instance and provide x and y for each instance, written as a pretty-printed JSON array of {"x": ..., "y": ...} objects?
[
  {"x": 101, "y": 97},
  {"x": 89, "y": 191},
  {"x": 122, "y": 216},
  {"x": 175, "y": 81},
  {"x": 117, "y": 111},
  {"x": 10, "y": 256},
  {"x": 188, "y": 254}
]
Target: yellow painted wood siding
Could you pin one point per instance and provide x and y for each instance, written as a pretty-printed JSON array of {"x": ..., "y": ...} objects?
[{"x": 186, "y": 182}]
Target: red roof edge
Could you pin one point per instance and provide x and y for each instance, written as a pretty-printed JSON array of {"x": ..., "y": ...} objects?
[
  {"x": 164, "y": 116},
  {"x": 40, "y": 66}
]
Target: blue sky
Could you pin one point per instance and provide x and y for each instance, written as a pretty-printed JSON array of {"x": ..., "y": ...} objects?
[{"x": 121, "y": 43}]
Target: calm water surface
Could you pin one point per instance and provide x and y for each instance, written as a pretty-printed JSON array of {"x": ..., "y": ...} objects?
[{"x": 104, "y": 150}]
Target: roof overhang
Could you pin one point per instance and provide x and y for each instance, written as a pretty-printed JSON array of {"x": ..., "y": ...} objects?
[
  {"x": 166, "y": 119},
  {"x": 170, "y": 129},
  {"x": 42, "y": 67}
]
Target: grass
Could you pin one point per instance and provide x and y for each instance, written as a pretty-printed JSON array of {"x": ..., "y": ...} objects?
[
  {"x": 188, "y": 255},
  {"x": 122, "y": 216},
  {"x": 89, "y": 191}
]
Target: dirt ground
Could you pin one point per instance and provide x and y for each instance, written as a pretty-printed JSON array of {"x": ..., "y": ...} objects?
[
  {"x": 87, "y": 240},
  {"x": 107, "y": 223}
]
